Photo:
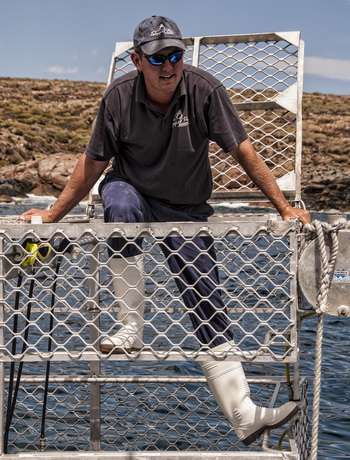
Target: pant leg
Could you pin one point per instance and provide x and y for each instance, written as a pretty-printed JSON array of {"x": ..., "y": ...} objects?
[
  {"x": 123, "y": 203},
  {"x": 197, "y": 277},
  {"x": 193, "y": 264}
]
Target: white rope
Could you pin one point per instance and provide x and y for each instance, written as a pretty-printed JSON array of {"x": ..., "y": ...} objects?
[
  {"x": 317, "y": 388},
  {"x": 327, "y": 263},
  {"x": 319, "y": 229}
]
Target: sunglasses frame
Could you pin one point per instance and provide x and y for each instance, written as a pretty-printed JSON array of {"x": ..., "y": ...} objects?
[{"x": 164, "y": 58}]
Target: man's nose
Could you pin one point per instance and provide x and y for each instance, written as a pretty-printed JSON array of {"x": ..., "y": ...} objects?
[{"x": 167, "y": 65}]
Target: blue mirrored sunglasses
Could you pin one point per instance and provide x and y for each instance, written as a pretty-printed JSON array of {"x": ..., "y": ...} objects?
[{"x": 158, "y": 59}]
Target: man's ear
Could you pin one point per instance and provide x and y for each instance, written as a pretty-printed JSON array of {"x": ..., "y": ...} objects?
[{"x": 136, "y": 59}]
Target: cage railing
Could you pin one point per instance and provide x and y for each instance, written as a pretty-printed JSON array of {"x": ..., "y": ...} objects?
[
  {"x": 57, "y": 299},
  {"x": 256, "y": 259}
]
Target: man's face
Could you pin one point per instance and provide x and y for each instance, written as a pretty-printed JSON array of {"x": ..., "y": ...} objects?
[{"x": 162, "y": 79}]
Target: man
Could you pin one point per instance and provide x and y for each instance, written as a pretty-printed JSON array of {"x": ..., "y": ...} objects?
[{"x": 156, "y": 123}]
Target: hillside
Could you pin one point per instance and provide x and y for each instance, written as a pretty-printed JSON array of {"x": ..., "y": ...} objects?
[{"x": 45, "y": 124}]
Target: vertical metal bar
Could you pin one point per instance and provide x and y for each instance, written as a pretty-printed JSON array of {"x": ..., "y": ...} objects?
[
  {"x": 2, "y": 343},
  {"x": 196, "y": 50},
  {"x": 299, "y": 121},
  {"x": 295, "y": 240},
  {"x": 95, "y": 405},
  {"x": 111, "y": 69},
  {"x": 294, "y": 312}
]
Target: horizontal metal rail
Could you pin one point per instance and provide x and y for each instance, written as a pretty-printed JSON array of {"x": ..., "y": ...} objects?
[
  {"x": 157, "y": 455},
  {"x": 140, "y": 379}
]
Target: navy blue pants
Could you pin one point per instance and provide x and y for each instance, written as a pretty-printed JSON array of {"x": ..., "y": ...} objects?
[{"x": 192, "y": 262}]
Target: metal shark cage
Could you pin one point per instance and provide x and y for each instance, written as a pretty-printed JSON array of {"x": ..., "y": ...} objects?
[{"x": 63, "y": 398}]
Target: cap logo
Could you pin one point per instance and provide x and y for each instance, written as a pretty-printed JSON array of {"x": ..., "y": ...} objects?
[{"x": 162, "y": 30}]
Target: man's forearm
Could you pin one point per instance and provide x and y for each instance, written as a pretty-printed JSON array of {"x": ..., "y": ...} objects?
[
  {"x": 85, "y": 175},
  {"x": 260, "y": 174}
]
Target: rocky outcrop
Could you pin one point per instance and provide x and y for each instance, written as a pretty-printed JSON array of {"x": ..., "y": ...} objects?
[
  {"x": 46, "y": 176},
  {"x": 328, "y": 194},
  {"x": 45, "y": 126},
  {"x": 54, "y": 172}
]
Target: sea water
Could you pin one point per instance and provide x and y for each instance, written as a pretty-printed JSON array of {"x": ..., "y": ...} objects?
[{"x": 334, "y": 421}]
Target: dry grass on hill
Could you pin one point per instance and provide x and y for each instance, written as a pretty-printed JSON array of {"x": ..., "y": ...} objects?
[{"x": 42, "y": 117}]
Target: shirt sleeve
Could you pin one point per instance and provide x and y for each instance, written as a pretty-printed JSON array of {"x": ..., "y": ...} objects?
[
  {"x": 224, "y": 124},
  {"x": 103, "y": 144}
]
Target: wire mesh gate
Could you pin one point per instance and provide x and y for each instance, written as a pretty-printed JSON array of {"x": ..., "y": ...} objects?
[
  {"x": 124, "y": 402},
  {"x": 58, "y": 303},
  {"x": 263, "y": 76}
]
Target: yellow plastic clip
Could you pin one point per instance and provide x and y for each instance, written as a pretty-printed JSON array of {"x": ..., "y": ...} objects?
[{"x": 35, "y": 252}]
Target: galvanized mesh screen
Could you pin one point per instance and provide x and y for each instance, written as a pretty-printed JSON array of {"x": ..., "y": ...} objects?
[
  {"x": 136, "y": 414},
  {"x": 66, "y": 286},
  {"x": 59, "y": 303},
  {"x": 263, "y": 78}
]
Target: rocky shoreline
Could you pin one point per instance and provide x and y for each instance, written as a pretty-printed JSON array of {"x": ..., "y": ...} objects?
[
  {"x": 45, "y": 176},
  {"x": 46, "y": 125}
]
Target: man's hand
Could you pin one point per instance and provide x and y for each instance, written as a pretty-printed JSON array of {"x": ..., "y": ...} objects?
[
  {"x": 45, "y": 215},
  {"x": 290, "y": 213}
]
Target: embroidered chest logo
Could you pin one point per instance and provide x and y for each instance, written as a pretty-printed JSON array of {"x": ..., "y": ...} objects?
[
  {"x": 180, "y": 120},
  {"x": 161, "y": 29}
]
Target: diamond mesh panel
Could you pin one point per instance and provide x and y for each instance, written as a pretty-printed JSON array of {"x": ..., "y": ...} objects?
[
  {"x": 262, "y": 75},
  {"x": 256, "y": 67},
  {"x": 136, "y": 414},
  {"x": 273, "y": 135},
  {"x": 66, "y": 304},
  {"x": 59, "y": 302},
  {"x": 301, "y": 427}
]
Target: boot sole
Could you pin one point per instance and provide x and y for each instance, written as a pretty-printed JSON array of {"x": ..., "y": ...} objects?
[
  {"x": 252, "y": 437},
  {"x": 116, "y": 350}
]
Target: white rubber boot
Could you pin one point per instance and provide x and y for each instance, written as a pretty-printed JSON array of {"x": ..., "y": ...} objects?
[
  {"x": 129, "y": 289},
  {"x": 229, "y": 387}
]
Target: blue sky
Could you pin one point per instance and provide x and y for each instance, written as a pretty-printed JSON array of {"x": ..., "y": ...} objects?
[{"x": 74, "y": 39}]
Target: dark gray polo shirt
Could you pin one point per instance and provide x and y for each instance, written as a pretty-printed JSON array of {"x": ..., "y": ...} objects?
[{"x": 166, "y": 156}]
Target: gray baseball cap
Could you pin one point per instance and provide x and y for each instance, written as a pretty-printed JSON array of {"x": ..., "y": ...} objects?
[{"x": 156, "y": 33}]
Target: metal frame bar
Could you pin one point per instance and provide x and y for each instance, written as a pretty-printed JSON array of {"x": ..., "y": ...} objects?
[
  {"x": 158, "y": 455},
  {"x": 299, "y": 131},
  {"x": 95, "y": 366},
  {"x": 2, "y": 343}
]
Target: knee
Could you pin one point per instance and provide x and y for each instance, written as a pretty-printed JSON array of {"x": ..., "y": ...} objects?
[{"x": 121, "y": 203}]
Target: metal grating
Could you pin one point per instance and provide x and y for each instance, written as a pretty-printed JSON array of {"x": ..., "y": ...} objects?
[
  {"x": 263, "y": 76},
  {"x": 257, "y": 286},
  {"x": 169, "y": 414},
  {"x": 155, "y": 403},
  {"x": 57, "y": 309}
]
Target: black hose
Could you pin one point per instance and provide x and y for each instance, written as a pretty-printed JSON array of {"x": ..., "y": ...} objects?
[
  {"x": 13, "y": 397},
  {"x": 48, "y": 363},
  {"x": 13, "y": 364}
]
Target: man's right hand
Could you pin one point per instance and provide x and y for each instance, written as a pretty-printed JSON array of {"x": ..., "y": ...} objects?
[{"x": 45, "y": 214}]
